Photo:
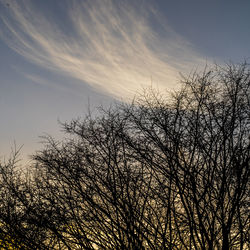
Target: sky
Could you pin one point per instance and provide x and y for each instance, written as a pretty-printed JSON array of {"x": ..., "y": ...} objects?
[{"x": 60, "y": 58}]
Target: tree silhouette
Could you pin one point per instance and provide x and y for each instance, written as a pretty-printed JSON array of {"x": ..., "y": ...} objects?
[
  {"x": 200, "y": 145},
  {"x": 159, "y": 173}
]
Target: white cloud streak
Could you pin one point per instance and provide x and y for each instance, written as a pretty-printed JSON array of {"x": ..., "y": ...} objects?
[{"x": 114, "y": 46}]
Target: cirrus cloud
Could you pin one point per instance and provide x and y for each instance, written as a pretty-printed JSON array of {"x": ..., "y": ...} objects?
[{"x": 114, "y": 46}]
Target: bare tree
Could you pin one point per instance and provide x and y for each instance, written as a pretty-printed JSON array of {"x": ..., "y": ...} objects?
[
  {"x": 103, "y": 193},
  {"x": 200, "y": 144},
  {"x": 18, "y": 199},
  {"x": 160, "y": 173}
]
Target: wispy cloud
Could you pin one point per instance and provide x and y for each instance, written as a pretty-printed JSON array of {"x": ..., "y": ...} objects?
[{"x": 115, "y": 46}]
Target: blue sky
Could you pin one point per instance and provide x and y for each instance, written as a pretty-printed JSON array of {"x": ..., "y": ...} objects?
[{"x": 57, "y": 57}]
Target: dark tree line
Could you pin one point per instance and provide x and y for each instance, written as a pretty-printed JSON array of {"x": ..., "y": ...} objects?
[{"x": 159, "y": 173}]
